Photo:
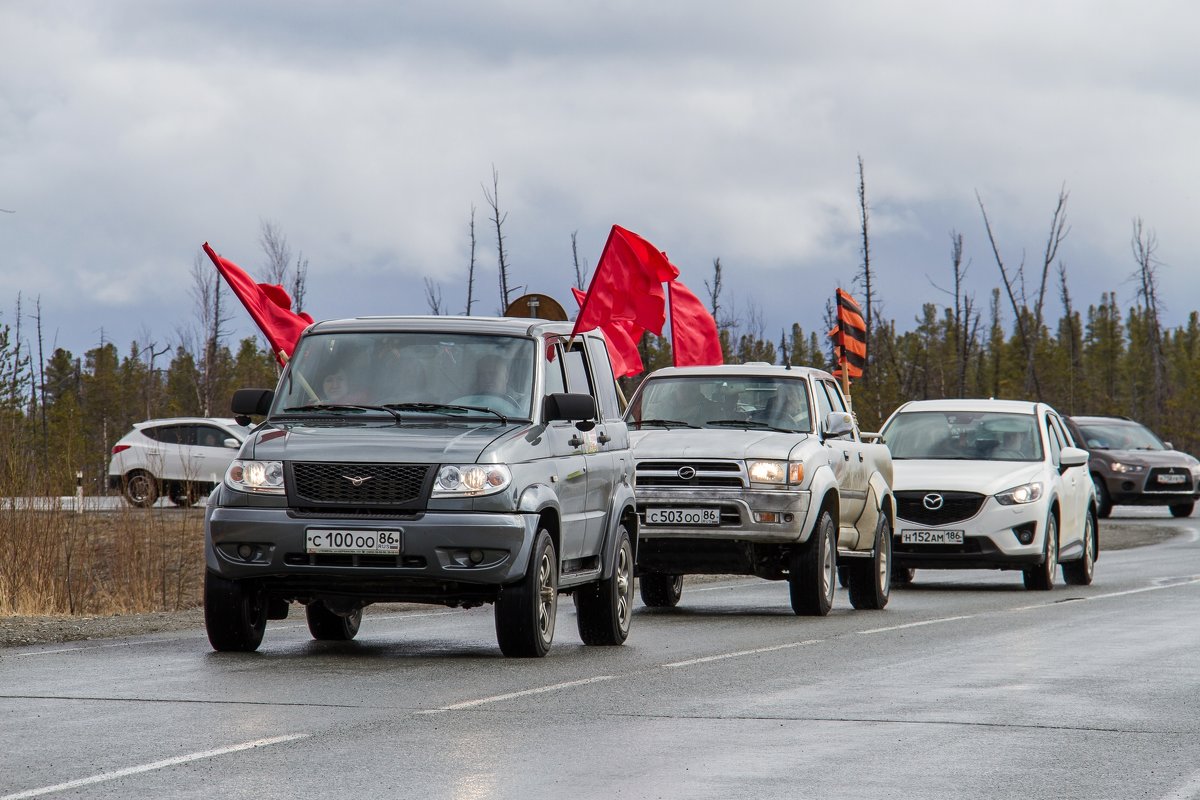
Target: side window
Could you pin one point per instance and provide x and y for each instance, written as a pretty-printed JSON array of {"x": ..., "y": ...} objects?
[
  {"x": 823, "y": 407},
  {"x": 577, "y": 374},
  {"x": 208, "y": 436},
  {"x": 835, "y": 396},
  {"x": 1053, "y": 438},
  {"x": 555, "y": 383},
  {"x": 1064, "y": 433},
  {"x": 168, "y": 434},
  {"x": 606, "y": 387}
]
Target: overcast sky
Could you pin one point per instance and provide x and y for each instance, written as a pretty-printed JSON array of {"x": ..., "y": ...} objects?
[{"x": 132, "y": 132}]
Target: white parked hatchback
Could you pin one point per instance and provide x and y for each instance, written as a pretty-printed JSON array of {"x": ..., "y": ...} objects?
[
  {"x": 991, "y": 484},
  {"x": 181, "y": 458}
]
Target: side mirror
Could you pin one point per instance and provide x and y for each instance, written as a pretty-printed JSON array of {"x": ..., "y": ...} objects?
[
  {"x": 569, "y": 407},
  {"x": 1168, "y": 445},
  {"x": 232, "y": 443},
  {"x": 837, "y": 424},
  {"x": 872, "y": 437},
  {"x": 250, "y": 402},
  {"x": 1072, "y": 457}
]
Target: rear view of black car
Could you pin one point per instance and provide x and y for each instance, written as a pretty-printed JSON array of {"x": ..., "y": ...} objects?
[{"x": 1132, "y": 466}]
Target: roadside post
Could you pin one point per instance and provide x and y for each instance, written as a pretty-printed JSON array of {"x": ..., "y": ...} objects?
[{"x": 78, "y": 491}]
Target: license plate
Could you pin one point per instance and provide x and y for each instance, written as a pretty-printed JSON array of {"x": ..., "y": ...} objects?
[
  {"x": 321, "y": 540},
  {"x": 1172, "y": 478},
  {"x": 931, "y": 537},
  {"x": 683, "y": 516}
]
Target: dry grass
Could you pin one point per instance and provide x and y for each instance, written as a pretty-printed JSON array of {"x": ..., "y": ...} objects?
[{"x": 57, "y": 561}]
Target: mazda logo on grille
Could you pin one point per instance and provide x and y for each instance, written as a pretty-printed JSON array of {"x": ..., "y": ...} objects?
[
  {"x": 356, "y": 480},
  {"x": 932, "y": 501},
  {"x": 686, "y": 473}
]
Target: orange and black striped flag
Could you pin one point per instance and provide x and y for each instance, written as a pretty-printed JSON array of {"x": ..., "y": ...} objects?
[{"x": 849, "y": 337}]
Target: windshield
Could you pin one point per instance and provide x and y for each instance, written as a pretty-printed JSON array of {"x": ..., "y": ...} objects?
[
  {"x": 964, "y": 435},
  {"x": 354, "y": 371},
  {"x": 711, "y": 401},
  {"x": 1118, "y": 435}
]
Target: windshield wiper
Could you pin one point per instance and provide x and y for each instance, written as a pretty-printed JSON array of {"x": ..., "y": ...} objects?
[
  {"x": 749, "y": 423},
  {"x": 442, "y": 408},
  {"x": 665, "y": 423},
  {"x": 337, "y": 407}
]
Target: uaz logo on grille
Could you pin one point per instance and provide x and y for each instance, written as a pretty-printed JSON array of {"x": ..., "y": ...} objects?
[
  {"x": 686, "y": 473},
  {"x": 356, "y": 480},
  {"x": 932, "y": 501}
]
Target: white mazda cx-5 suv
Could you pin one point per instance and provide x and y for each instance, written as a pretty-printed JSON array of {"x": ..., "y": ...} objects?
[{"x": 991, "y": 484}]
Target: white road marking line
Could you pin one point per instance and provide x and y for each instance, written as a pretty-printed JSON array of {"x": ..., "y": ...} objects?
[
  {"x": 911, "y": 625},
  {"x": 510, "y": 695},
  {"x": 167, "y": 762},
  {"x": 737, "y": 654}
]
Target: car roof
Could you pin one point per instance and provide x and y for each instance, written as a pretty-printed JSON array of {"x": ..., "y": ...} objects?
[
  {"x": 974, "y": 404},
  {"x": 226, "y": 421},
  {"x": 751, "y": 369},
  {"x": 1102, "y": 418},
  {"x": 498, "y": 326}
]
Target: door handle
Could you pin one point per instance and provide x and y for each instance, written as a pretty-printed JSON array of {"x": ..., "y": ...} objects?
[
  {"x": 603, "y": 438},
  {"x": 575, "y": 441},
  {"x": 860, "y": 458},
  {"x": 846, "y": 453}
]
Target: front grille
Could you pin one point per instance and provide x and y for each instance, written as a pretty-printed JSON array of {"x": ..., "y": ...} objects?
[
  {"x": 703, "y": 474},
  {"x": 378, "y": 485},
  {"x": 955, "y": 506},
  {"x": 1154, "y": 484}
]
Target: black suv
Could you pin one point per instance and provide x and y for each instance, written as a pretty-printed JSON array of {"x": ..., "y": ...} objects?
[{"x": 1132, "y": 466}]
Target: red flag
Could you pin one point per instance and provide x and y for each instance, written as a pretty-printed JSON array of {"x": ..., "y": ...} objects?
[
  {"x": 695, "y": 341},
  {"x": 268, "y": 304},
  {"x": 621, "y": 339},
  {"x": 627, "y": 284},
  {"x": 849, "y": 337}
]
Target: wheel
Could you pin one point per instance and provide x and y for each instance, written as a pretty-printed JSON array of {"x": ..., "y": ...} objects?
[
  {"x": 605, "y": 609},
  {"x": 811, "y": 571},
  {"x": 327, "y": 626},
  {"x": 235, "y": 614},
  {"x": 525, "y": 611},
  {"x": 1103, "y": 499},
  {"x": 1080, "y": 573},
  {"x": 1182, "y": 509},
  {"x": 1042, "y": 576},
  {"x": 183, "y": 495},
  {"x": 141, "y": 489},
  {"x": 902, "y": 576},
  {"x": 660, "y": 589},
  {"x": 871, "y": 581}
]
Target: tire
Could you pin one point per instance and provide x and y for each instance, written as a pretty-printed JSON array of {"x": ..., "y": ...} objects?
[
  {"x": 235, "y": 614},
  {"x": 183, "y": 495},
  {"x": 605, "y": 608},
  {"x": 843, "y": 574},
  {"x": 660, "y": 589},
  {"x": 1182, "y": 509},
  {"x": 871, "y": 581},
  {"x": 902, "y": 576},
  {"x": 525, "y": 610},
  {"x": 1104, "y": 503},
  {"x": 1081, "y": 572},
  {"x": 326, "y": 626},
  {"x": 1041, "y": 578},
  {"x": 140, "y": 489},
  {"x": 812, "y": 571}
]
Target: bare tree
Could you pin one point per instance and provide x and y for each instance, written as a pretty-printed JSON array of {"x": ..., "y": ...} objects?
[
  {"x": 471, "y": 265},
  {"x": 433, "y": 296},
  {"x": 581, "y": 271},
  {"x": 965, "y": 320},
  {"x": 865, "y": 277},
  {"x": 1145, "y": 244},
  {"x": 299, "y": 283},
  {"x": 493, "y": 200},
  {"x": 275, "y": 247},
  {"x": 714, "y": 291},
  {"x": 207, "y": 292}
]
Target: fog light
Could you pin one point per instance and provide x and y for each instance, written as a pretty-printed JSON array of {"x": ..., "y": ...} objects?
[
  {"x": 245, "y": 552},
  {"x": 789, "y": 518},
  {"x": 476, "y": 556},
  {"x": 1025, "y": 532}
]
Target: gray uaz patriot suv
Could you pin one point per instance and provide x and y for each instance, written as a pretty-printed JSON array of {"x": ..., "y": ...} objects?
[{"x": 446, "y": 460}]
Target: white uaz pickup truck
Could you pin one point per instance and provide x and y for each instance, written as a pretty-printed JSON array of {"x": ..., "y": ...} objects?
[{"x": 757, "y": 469}]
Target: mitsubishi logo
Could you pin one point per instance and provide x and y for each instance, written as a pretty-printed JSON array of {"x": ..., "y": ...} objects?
[
  {"x": 686, "y": 473},
  {"x": 357, "y": 481},
  {"x": 932, "y": 501}
]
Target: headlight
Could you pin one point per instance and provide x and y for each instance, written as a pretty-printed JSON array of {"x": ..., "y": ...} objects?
[
  {"x": 1019, "y": 495},
  {"x": 259, "y": 477},
  {"x": 780, "y": 472},
  {"x": 471, "y": 480},
  {"x": 1117, "y": 466}
]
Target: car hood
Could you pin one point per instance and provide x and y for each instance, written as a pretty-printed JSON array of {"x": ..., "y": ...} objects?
[
  {"x": 1151, "y": 458},
  {"x": 366, "y": 442},
  {"x": 714, "y": 443},
  {"x": 985, "y": 477}
]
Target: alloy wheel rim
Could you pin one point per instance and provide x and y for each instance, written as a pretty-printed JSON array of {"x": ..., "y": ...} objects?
[
  {"x": 624, "y": 580},
  {"x": 546, "y": 596},
  {"x": 885, "y": 566},
  {"x": 828, "y": 571}
]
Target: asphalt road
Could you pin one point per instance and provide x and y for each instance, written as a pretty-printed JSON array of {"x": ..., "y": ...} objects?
[{"x": 965, "y": 686}]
